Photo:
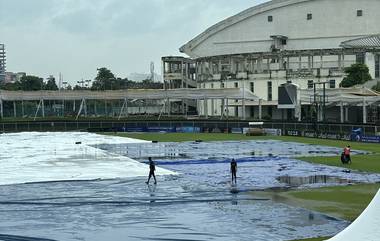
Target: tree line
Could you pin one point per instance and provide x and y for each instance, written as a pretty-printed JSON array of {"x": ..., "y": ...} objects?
[{"x": 105, "y": 80}]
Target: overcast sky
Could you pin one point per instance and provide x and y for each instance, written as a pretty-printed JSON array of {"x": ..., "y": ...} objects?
[{"x": 75, "y": 37}]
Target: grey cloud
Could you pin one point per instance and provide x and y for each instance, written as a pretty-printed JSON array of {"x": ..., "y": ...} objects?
[{"x": 77, "y": 36}]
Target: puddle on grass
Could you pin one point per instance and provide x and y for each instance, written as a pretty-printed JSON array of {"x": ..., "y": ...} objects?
[{"x": 292, "y": 181}]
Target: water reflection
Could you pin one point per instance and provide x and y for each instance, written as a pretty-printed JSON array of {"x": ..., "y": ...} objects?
[{"x": 316, "y": 179}]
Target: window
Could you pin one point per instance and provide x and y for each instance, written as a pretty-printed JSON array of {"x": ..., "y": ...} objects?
[
  {"x": 252, "y": 87},
  {"x": 270, "y": 96},
  {"x": 332, "y": 84},
  {"x": 236, "y": 85},
  {"x": 270, "y": 18},
  {"x": 309, "y": 16},
  {"x": 283, "y": 41},
  {"x": 222, "y": 85},
  {"x": 360, "y": 58},
  {"x": 359, "y": 13},
  {"x": 377, "y": 66},
  {"x": 310, "y": 84},
  {"x": 212, "y": 86}
]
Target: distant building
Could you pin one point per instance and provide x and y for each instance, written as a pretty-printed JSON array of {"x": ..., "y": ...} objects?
[
  {"x": 11, "y": 77},
  {"x": 2, "y": 62}
]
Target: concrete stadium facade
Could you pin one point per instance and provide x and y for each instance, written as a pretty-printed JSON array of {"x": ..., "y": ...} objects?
[{"x": 283, "y": 41}]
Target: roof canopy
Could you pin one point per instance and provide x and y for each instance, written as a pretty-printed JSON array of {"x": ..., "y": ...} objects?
[
  {"x": 368, "y": 42},
  {"x": 149, "y": 94}
]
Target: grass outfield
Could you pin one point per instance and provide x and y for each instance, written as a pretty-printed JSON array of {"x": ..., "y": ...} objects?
[
  {"x": 367, "y": 163},
  {"x": 345, "y": 202}
]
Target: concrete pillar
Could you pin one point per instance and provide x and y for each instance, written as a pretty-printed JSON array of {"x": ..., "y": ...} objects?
[
  {"x": 63, "y": 108},
  {"x": 43, "y": 107},
  {"x": 14, "y": 109},
  {"x": 299, "y": 62},
  {"x": 341, "y": 112},
  {"x": 260, "y": 64},
  {"x": 244, "y": 115},
  {"x": 1, "y": 109},
  {"x": 95, "y": 109},
  {"x": 340, "y": 62},
  {"x": 222, "y": 108},
  {"x": 126, "y": 107},
  {"x": 105, "y": 108},
  {"x": 370, "y": 62},
  {"x": 85, "y": 107},
  {"x": 205, "y": 107},
  {"x": 321, "y": 63},
  {"x": 364, "y": 111},
  {"x": 22, "y": 109},
  {"x": 212, "y": 107},
  {"x": 169, "y": 107},
  {"x": 260, "y": 109},
  {"x": 227, "y": 108},
  {"x": 309, "y": 63},
  {"x": 346, "y": 114}
]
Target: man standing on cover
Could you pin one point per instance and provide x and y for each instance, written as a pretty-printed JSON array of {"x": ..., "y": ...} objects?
[
  {"x": 152, "y": 169},
  {"x": 233, "y": 171}
]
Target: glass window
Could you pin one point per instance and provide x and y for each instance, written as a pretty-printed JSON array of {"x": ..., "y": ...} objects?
[
  {"x": 270, "y": 18},
  {"x": 270, "y": 96},
  {"x": 212, "y": 86},
  {"x": 236, "y": 85},
  {"x": 359, "y": 13},
  {"x": 222, "y": 85},
  {"x": 310, "y": 84},
  {"x": 309, "y": 16},
  {"x": 252, "y": 87},
  {"x": 332, "y": 84}
]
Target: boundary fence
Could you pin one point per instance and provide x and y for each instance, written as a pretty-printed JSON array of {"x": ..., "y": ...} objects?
[{"x": 287, "y": 128}]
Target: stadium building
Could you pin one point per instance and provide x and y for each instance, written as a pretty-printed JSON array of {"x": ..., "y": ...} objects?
[{"x": 304, "y": 42}]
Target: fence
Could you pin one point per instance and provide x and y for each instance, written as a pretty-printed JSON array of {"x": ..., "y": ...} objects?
[{"x": 141, "y": 125}]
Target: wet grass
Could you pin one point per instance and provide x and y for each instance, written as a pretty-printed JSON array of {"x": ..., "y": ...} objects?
[
  {"x": 346, "y": 202},
  {"x": 367, "y": 163},
  {"x": 312, "y": 239}
]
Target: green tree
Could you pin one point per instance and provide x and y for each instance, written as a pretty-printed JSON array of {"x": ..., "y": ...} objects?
[
  {"x": 10, "y": 86},
  {"x": 356, "y": 74},
  {"x": 104, "y": 80},
  {"x": 31, "y": 83},
  {"x": 51, "y": 85}
]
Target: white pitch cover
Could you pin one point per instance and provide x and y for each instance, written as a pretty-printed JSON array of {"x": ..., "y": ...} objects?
[{"x": 366, "y": 227}]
